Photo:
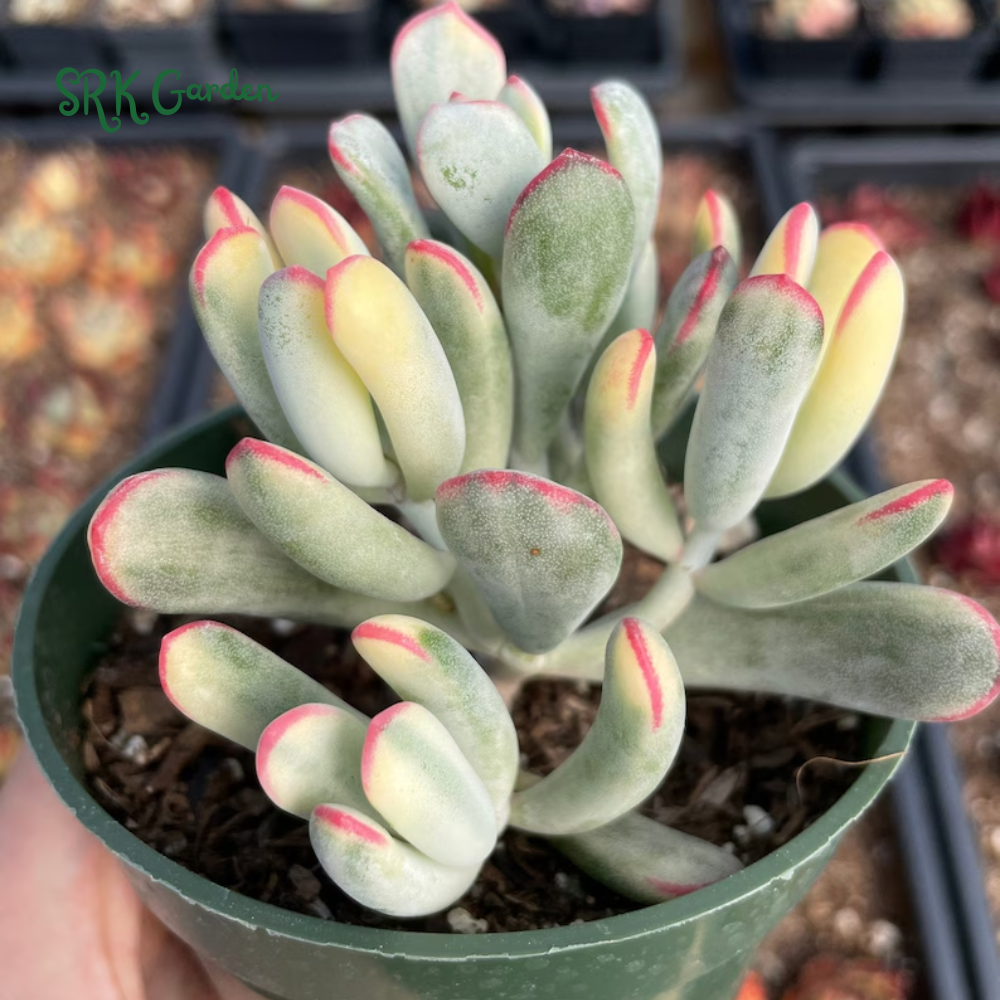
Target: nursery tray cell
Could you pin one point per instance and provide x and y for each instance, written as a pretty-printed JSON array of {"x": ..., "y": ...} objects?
[
  {"x": 95, "y": 238},
  {"x": 934, "y": 202},
  {"x": 884, "y": 82}
]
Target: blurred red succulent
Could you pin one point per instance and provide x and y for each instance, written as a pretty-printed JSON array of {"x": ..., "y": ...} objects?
[
  {"x": 877, "y": 207},
  {"x": 828, "y": 977},
  {"x": 972, "y": 548},
  {"x": 979, "y": 217}
]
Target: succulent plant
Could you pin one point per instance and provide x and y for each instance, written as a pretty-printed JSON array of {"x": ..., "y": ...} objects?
[
  {"x": 814, "y": 19},
  {"x": 924, "y": 18},
  {"x": 500, "y": 398}
]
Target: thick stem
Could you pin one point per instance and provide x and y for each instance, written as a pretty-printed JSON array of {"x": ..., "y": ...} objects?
[
  {"x": 423, "y": 517},
  {"x": 699, "y": 549}
]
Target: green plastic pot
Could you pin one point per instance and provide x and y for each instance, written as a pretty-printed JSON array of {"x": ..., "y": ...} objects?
[{"x": 694, "y": 948}]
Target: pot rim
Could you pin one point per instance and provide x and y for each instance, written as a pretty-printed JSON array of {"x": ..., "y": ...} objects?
[{"x": 779, "y": 865}]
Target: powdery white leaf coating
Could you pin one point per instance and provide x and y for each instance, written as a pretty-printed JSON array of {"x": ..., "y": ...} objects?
[
  {"x": 438, "y": 53},
  {"x": 325, "y": 402},
  {"x": 176, "y": 541},
  {"x": 541, "y": 555},
  {"x": 850, "y": 379},
  {"x": 386, "y": 338},
  {"x": 425, "y": 665},
  {"x": 416, "y": 776},
  {"x": 566, "y": 265},
  {"x": 843, "y": 252},
  {"x": 759, "y": 368},
  {"x": 310, "y": 233},
  {"x": 901, "y": 650},
  {"x": 476, "y": 157},
  {"x": 371, "y": 165},
  {"x": 225, "y": 210},
  {"x": 228, "y": 683},
  {"x": 628, "y": 749},
  {"x": 829, "y": 552},
  {"x": 330, "y": 531},
  {"x": 380, "y": 872},
  {"x": 311, "y": 754},
  {"x": 717, "y": 225},
  {"x": 225, "y": 281},
  {"x": 791, "y": 247},
  {"x": 621, "y": 455},
  {"x": 685, "y": 335},
  {"x": 519, "y": 95},
  {"x": 634, "y": 149},
  {"x": 647, "y": 861},
  {"x": 464, "y": 314}
]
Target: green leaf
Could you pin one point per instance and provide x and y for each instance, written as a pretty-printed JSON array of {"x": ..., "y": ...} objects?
[
  {"x": 759, "y": 368},
  {"x": 416, "y": 776},
  {"x": 324, "y": 400},
  {"x": 829, "y": 552},
  {"x": 310, "y": 755},
  {"x": 225, "y": 281},
  {"x": 628, "y": 749},
  {"x": 438, "y": 53},
  {"x": 542, "y": 556},
  {"x": 686, "y": 333},
  {"x": 422, "y": 664},
  {"x": 566, "y": 265},
  {"x": 901, "y": 650},
  {"x": 460, "y": 306},
  {"x": 518, "y": 94},
  {"x": 621, "y": 454},
  {"x": 328, "y": 530},
  {"x": 228, "y": 683},
  {"x": 176, "y": 541},
  {"x": 380, "y": 872},
  {"x": 386, "y": 338},
  {"x": 634, "y": 149},
  {"x": 647, "y": 861},
  {"x": 476, "y": 157},
  {"x": 371, "y": 165}
]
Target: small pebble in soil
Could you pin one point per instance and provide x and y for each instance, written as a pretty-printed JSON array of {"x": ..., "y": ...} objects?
[{"x": 463, "y": 922}]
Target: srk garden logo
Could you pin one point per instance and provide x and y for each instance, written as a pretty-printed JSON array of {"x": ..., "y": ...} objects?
[{"x": 97, "y": 88}]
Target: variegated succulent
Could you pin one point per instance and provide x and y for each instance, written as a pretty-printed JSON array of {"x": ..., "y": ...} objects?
[{"x": 455, "y": 442}]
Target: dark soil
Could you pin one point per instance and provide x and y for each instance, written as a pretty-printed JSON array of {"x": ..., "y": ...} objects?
[{"x": 194, "y": 796}]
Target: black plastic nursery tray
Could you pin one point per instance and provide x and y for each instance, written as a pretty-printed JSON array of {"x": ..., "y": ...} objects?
[
  {"x": 944, "y": 861},
  {"x": 561, "y": 57},
  {"x": 863, "y": 79}
]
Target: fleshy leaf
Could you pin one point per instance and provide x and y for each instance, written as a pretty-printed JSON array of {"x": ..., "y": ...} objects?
[
  {"x": 371, "y": 165},
  {"x": 621, "y": 454},
  {"x": 225, "y": 210},
  {"x": 566, "y": 265},
  {"x": 476, "y": 157},
  {"x": 310, "y": 233},
  {"x": 791, "y": 247},
  {"x": 416, "y": 776},
  {"x": 519, "y": 95},
  {"x": 388, "y": 341},
  {"x": 638, "y": 308},
  {"x": 847, "y": 386},
  {"x": 759, "y": 368},
  {"x": 543, "y": 556},
  {"x": 843, "y": 252},
  {"x": 901, "y": 650},
  {"x": 438, "y": 53},
  {"x": 175, "y": 541},
  {"x": 328, "y": 530},
  {"x": 829, "y": 552},
  {"x": 464, "y": 314},
  {"x": 717, "y": 225},
  {"x": 325, "y": 402},
  {"x": 225, "y": 281},
  {"x": 685, "y": 335},
  {"x": 634, "y": 149},
  {"x": 629, "y": 748},
  {"x": 228, "y": 683},
  {"x": 422, "y": 664},
  {"x": 310, "y": 755},
  {"x": 378, "y": 871},
  {"x": 647, "y": 861}
]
